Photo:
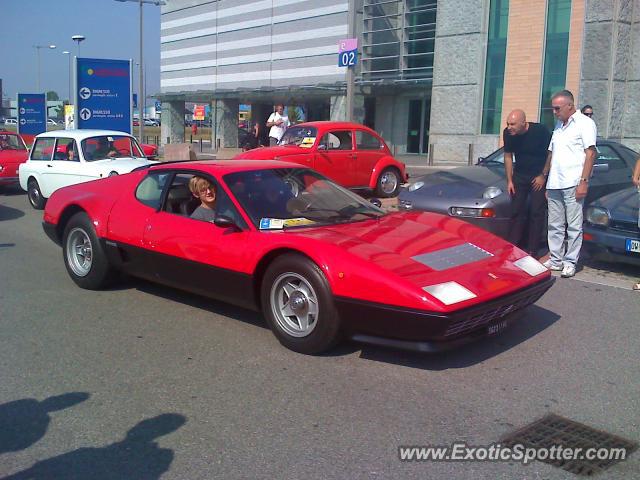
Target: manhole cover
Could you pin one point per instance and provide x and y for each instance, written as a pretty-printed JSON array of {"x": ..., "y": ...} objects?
[{"x": 592, "y": 450}]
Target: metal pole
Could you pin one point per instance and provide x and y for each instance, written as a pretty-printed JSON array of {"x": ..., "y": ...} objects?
[
  {"x": 140, "y": 86},
  {"x": 350, "y": 70},
  {"x": 38, "y": 69}
]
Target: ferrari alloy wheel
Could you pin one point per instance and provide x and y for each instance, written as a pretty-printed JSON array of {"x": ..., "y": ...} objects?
[
  {"x": 295, "y": 304},
  {"x": 79, "y": 252},
  {"x": 34, "y": 194},
  {"x": 298, "y": 305},
  {"x": 84, "y": 257},
  {"x": 388, "y": 183}
]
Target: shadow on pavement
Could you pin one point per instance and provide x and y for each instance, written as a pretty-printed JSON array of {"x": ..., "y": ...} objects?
[
  {"x": 137, "y": 456},
  {"x": 24, "y": 422},
  {"x": 535, "y": 320},
  {"x": 8, "y": 213},
  {"x": 204, "y": 303}
]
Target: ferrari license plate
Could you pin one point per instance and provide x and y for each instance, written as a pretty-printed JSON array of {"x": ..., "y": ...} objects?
[
  {"x": 496, "y": 327},
  {"x": 632, "y": 245}
]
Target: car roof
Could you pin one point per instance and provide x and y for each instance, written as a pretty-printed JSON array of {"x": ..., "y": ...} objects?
[
  {"x": 223, "y": 167},
  {"x": 324, "y": 124},
  {"x": 81, "y": 134}
]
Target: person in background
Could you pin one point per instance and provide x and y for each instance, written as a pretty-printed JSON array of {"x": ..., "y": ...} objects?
[
  {"x": 636, "y": 181},
  {"x": 587, "y": 110},
  {"x": 569, "y": 163},
  {"x": 194, "y": 128},
  {"x": 105, "y": 149},
  {"x": 71, "y": 152},
  {"x": 529, "y": 142},
  {"x": 205, "y": 191},
  {"x": 278, "y": 124}
]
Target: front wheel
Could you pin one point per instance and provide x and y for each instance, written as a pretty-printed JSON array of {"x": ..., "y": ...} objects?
[
  {"x": 84, "y": 258},
  {"x": 34, "y": 194},
  {"x": 298, "y": 305},
  {"x": 388, "y": 184}
]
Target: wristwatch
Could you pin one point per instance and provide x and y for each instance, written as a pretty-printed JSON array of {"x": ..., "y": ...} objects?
[{"x": 585, "y": 180}]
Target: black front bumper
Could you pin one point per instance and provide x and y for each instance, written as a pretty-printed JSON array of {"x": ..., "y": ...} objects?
[
  {"x": 430, "y": 331},
  {"x": 51, "y": 230}
]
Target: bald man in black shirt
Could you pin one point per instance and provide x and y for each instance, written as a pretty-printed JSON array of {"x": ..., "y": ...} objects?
[{"x": 529, "y": 143}]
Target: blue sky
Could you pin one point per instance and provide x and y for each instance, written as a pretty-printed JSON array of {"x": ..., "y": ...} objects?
[{"x": 111, "y": 29}]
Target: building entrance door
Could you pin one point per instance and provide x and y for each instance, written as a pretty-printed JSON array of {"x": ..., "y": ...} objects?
[{"x": 418, "y": 131}]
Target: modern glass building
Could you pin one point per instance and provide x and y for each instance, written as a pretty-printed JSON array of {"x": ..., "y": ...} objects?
[{"x": 433, "y": 77}]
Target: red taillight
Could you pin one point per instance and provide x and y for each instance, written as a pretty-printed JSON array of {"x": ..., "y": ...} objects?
[
  {"x": 587, "y": 236},
  {"x": 488, "y": 213}
]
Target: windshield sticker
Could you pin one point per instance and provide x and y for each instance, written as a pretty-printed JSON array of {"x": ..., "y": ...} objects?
[
  {"x": 307, "y": 142},
  {"x": 279, "y": 224}
]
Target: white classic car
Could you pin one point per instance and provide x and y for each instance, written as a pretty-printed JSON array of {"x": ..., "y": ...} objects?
[{"x": 66, "y": 157}]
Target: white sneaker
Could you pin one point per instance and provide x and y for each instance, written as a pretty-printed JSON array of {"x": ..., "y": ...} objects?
[
  {"x": 568, "y": 271},
  {"x": 552, "y": 266}
]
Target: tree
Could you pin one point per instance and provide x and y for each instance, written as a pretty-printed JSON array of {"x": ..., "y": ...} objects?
[
  {"x": 52, "y": 96},
  {"x": 293, "y": 113}
]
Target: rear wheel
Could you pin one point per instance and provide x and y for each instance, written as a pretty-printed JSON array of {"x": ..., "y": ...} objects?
[
  {"x": 84, "y": 258},
  {"x": 298, "y": 305},
  {"x": 34, "y": 194},
  {"x": 388, "y": 184}
]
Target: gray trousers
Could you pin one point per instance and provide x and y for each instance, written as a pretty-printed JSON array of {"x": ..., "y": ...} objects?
[{"x": 564, "y": 209}]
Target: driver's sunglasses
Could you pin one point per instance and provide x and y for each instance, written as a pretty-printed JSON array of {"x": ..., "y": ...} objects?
[
  {"x": 589, "y": 114},
  {"x": 204, "y": 190}
]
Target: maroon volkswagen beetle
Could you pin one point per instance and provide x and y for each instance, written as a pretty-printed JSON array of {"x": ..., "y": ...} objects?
[
  {"x": 13, "y": 152},
  {"x": 349, "y": 153}
]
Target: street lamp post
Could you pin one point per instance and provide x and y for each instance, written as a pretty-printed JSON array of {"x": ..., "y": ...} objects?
[
  {"x": 38, "y": 47},
  {"x": 68, "y": 54},
  {"x": 78, "y": 39},
  {"x": 141, "y": 101}
]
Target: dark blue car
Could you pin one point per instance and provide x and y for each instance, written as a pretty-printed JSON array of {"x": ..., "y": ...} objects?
[{"x": 611, "y": 230}]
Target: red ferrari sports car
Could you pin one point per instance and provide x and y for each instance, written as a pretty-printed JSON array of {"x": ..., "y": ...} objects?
[
  {"x": 349, "y": 153},
  {"x": 318, "y": 260},
  {"x": 13, "y": 152}
]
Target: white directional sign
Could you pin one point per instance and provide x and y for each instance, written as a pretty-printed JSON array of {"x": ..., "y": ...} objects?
[
  {"x": 85, "y": 114},
  {"x": 85, "y": 93}
]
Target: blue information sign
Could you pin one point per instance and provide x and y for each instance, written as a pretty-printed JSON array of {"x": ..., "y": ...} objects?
[
  {"x": 32, "y": 113},
  {"x": 103, "y": 94},
  {"x": 348, "y": 52}
]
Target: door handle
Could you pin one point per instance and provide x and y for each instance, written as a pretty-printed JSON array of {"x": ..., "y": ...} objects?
[{"x": 49, "y": 166}]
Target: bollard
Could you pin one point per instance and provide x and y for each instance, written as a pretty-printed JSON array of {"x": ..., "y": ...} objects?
[
  {"x": 470, "y": 154},
  {"x": 430, "y": 160},
  {"x": 168, "y": 140},
  {"x": 190, "y": 138},
  {"x": 200, "y": 144}
]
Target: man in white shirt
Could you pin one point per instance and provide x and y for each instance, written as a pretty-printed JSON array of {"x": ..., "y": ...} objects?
[
  {"x": 569, "y": 162},
  {"x": 278, "y": 123}
]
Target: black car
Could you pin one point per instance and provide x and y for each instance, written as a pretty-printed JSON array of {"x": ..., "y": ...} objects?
[
  {"x": 478, "y": 194},
  {"x": 611, "y": 232}
]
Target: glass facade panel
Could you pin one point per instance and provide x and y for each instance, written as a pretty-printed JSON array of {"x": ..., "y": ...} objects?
[
  {"x": 556, "y": 51},
  {"x": 398, "y": 39},
  {"x": 494, "y": 71}
]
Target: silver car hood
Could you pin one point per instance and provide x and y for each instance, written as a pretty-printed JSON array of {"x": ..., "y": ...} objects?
[{"x": 461, "y": 182}]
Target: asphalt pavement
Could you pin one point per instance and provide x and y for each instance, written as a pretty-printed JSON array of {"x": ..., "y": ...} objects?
[{"x": 142, "y": 381}]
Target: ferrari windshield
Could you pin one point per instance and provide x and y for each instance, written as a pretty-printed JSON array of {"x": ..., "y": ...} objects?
[
  {"x": 299, "y": 136},
  {"x": 109, "y": 147},
  {"x": 296, "y": 197}
]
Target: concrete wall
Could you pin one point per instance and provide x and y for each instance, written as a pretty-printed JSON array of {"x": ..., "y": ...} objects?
[
  {"x": 611, "y": 68},
  {"x": 461, "y": 34}
]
